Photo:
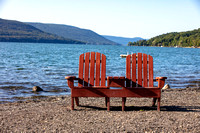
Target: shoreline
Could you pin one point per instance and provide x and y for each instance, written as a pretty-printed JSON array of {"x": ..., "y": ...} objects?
[
  {"x": 180, "y": 112},
  {"x": 27, "y": 93},
  {"x": 13, "y": 93}
]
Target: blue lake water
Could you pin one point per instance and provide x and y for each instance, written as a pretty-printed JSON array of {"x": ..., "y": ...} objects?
[{"x": 24, "y": 65}]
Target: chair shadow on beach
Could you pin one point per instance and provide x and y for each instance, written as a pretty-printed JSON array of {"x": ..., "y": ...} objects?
[
  {"x": 148, "y": 108},
  {"x": 181, "y": 108}
]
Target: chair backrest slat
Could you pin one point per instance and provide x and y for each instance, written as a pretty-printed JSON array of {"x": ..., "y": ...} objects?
[
  {"x": 92, "y": 69},
  {"x": 81, "y": 67},
  {"x": 128, "y": 70},
  {"x": 145, "y": 78},
  {"x": 86, "y": 69},
  {"x": 139, "y": 62},
  {"x": 150, "y": 71},
  {"x": 134, "y": 74},
  {"x": 92, "y": 66},
  {"x": 97, "y": 76},
  {"x": 139, "y": 70},
  {"x": 103, "y": 70}
]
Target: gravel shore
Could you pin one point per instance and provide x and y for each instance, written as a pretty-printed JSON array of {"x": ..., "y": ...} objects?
[{"x": 180, "y": 112}]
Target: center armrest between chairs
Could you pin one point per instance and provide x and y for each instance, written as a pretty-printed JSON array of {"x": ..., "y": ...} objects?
[{"x": 115, "y": 81}]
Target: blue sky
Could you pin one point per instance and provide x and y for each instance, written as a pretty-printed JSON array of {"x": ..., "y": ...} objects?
[{"x": 126, "y": 18}]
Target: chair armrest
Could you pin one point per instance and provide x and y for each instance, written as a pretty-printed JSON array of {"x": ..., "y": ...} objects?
[
  {"x": 115, "y": 81},
  {"x": 161, "y": 78},
  {"x": 70, "y": 77},
  {"x": 161, "y": 81},
  {"x": 70, "y": 81}
]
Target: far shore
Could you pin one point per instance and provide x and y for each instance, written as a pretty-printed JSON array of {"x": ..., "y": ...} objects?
[{"x": 169, "y": 46}]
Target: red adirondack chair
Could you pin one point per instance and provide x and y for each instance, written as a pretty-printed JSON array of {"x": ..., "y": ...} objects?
[
  {"x": 139, "y": 78},
  {"x": 91, "y": 78},
  {"x": 138, "y": 82}
]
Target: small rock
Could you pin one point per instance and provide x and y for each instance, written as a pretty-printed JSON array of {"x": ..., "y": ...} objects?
[
  {"x": 165, "y": 87},
  {"x": 37, "y": 88}
]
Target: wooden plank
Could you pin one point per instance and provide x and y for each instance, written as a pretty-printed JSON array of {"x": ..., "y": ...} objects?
[
  {"x": 92, "y": 68},
  {"x": 125, "y": 92},
  {"x": 128, "y": 70},
  {"x": 103, "y": 70},
  {"x": 81, "y": 67},
  {"x": 86, "y": 70},
  {"x": 150, "y": 71},
  {"x": 139, "y": 61},
  {"x": 97, "y": 75},
  {"x": 72, "y": 103},
  {"x": 123, "y": 103},
  {"x": 145, "y": 78},
  {"x": 116, "y": 81},
  {"x": 108, "y": 103},
  {"x": 134, "y": 74}
]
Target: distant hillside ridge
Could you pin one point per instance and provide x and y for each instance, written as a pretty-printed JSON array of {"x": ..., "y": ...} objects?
[
  {"x": 173, "y": 39},
  {"x": 122, "y": 40},
  {"x": 75, "y": 33},
  {"x": 15, "y": 31}
]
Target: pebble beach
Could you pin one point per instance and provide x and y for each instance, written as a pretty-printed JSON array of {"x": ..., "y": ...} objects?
[{"x": 180, "y": 112}]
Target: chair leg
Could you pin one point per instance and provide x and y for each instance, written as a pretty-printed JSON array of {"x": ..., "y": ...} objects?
[
  {"x": 72, "y": 103},
  {"x": 77, "y": 101},
  {"x": 154, "y": 102},
  {"x": 108, "y": 103},
  {"x": 106, "y": 100},
  {"x": 123, "y": 103},
  {"x": 158, "y": 106}
]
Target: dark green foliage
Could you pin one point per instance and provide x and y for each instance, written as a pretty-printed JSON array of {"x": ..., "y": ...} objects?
[
  {"x": 14, "y": 31},
  {"x": 74, "y": 33},
  {"x": 180, "y": 39}
]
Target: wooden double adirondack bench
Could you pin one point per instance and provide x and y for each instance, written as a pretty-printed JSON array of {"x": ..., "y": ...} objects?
[{"x": 137, "y": 83}]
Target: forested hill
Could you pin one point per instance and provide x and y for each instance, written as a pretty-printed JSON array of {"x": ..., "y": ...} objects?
[
  {"x": 180, "y": 39},
  {"x": 15, "y": 31},
  {"x": 74, "y": 33}
]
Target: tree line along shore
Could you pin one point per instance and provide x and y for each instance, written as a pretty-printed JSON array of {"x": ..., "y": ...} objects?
[{"x": 174, "y": 39}]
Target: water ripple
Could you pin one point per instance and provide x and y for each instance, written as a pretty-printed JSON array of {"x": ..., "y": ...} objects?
[{"x": 46, "y": 65}]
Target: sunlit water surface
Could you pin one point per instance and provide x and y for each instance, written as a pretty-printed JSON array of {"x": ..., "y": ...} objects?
[{"x": 24, "y": 65}]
